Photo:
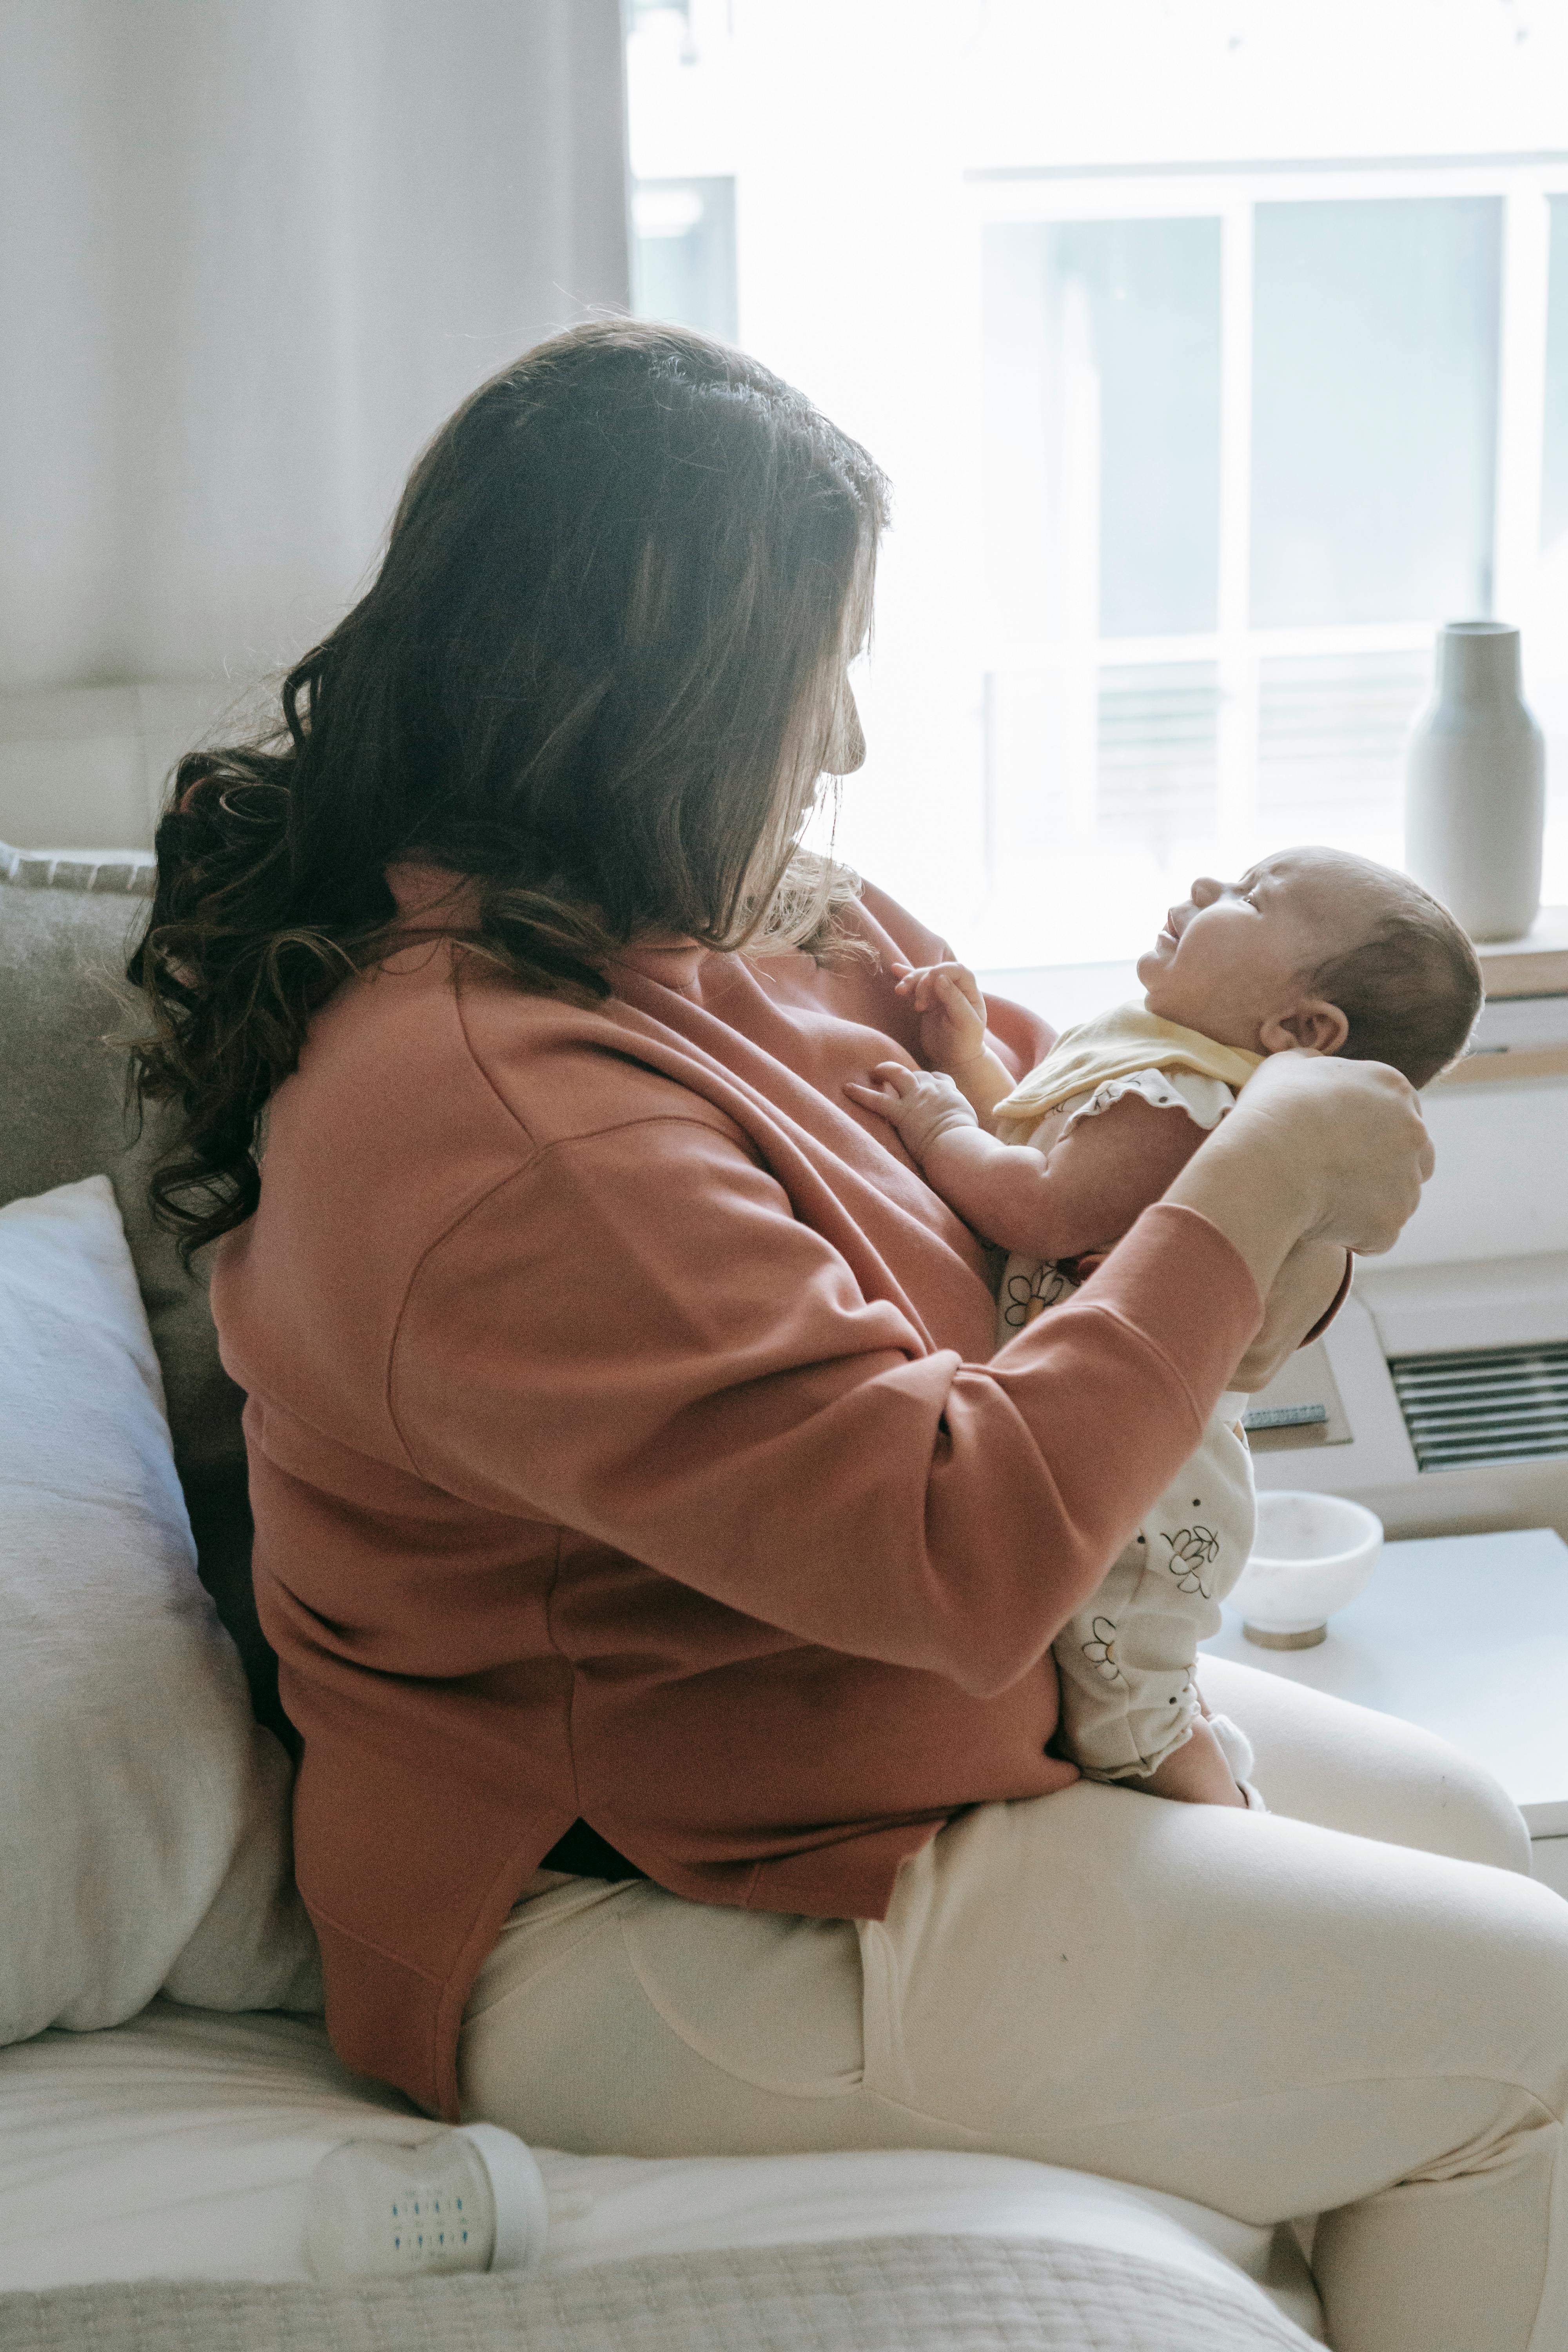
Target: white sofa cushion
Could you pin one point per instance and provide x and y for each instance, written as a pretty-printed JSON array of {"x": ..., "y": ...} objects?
[
  {"x": 181, "y": 2147},
  {"x": 144, "y": 1827}
]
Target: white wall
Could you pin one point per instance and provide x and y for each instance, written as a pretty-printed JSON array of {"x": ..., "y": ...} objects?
[
  {"x": 253, "y": 252},
  {"x": 84, "y": 766},
  {"x": 1500, "y": 1187}
]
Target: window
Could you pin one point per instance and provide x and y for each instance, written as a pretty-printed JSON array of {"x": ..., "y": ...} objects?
[
  {"x": 1554, "y": 468},
  {"x": 1374, "y": 372},
  {"x": 683, "y": 252},
  {"x": 1191, "y": 450}
]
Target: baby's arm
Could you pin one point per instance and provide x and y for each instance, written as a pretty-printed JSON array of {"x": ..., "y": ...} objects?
[
  {"x": 941, "y": 1132},
  {"x": 953, "y": 1033},
  {"x": 1082, "y": 1195}
]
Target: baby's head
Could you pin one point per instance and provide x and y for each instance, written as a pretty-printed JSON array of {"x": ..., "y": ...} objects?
[{"x": 1315, "y": 947}]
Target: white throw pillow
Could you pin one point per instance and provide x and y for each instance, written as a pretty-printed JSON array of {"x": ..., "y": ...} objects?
[{"x": 143, "y": 1812}]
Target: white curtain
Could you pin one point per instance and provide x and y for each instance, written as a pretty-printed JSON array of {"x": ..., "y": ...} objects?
[{"x": 251, "y": 253}]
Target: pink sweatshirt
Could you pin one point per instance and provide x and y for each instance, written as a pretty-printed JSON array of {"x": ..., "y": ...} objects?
[{"x": 625, "y": 1443}]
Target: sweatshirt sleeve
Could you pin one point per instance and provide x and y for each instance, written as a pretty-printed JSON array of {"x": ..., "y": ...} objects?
[{"x": 634, "y": 1337}]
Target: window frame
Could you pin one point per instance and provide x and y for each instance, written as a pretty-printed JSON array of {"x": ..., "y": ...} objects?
[{"x": 1047, "y": 195}]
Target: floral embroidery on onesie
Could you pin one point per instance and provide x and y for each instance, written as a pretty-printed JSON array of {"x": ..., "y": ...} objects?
[{"x": 1126, "y": 1661}]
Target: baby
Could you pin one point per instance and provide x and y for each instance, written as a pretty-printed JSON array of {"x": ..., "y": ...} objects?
[{"x": 1311, "y": 949}]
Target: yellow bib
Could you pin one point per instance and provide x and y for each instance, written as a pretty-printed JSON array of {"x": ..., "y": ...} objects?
[{"x": 1114, "y": 1045}]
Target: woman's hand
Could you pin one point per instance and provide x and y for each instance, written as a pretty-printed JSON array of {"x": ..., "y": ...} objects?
[
  {"x": 1317, "y": 1149},
  {"x": 1304, "y": 1289},
  {"x": 1353, "y": 1133}
]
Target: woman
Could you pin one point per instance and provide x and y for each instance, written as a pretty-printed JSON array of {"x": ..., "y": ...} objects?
[{"x": 662, "y": 1575}]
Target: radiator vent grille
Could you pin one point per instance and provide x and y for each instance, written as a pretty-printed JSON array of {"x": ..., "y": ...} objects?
[{"x": 1484, "y": 1404}]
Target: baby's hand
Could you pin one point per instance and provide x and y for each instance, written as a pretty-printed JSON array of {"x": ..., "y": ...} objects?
[
  {"x": 951, "y": 1011},
  {"x": 1194, "y": 1774},
  {"x": 921, "y": 1104}
]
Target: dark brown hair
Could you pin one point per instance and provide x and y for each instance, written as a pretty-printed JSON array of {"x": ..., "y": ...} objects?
[
  {"x": 598, "y": 671},
  {"x": 1411, "y": 991}
]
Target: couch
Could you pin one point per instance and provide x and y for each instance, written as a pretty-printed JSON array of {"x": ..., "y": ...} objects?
[
  {"x": 896, "y": 2250},
  {"x": 68, "y": 925}
]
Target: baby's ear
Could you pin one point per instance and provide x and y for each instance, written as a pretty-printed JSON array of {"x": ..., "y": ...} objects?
[{"x": 1314, "y": 1024}]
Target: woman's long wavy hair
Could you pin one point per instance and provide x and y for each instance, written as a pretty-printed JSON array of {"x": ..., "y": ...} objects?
[{"x": 599, "y": 673}]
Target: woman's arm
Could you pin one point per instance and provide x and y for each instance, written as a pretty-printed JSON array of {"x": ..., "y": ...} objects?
[
  {"x": 637, "y": 1338},
  {"x": 634, "y": 1337},
  {"x": 1078, "y": 1198}
]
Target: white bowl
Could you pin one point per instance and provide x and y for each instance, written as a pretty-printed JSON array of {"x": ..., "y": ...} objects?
[{"x": 1310, "y": 1555}]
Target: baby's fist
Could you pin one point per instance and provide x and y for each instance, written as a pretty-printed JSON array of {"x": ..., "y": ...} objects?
[
  {"x": 952, "y": 1013},
  {"x": 921, "y": 1104}
]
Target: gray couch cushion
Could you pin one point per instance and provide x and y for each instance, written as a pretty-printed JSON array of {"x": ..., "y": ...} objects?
[
  {"x": 66, "y": 928},
  {"x": 865, "y": 2294}
]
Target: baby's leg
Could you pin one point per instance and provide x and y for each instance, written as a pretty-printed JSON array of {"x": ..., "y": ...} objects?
[
  {"x": 1127, "y": 1659},
  {"x": 1126, "y": 1662}
]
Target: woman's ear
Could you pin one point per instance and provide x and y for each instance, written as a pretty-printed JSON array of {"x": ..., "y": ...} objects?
[{"x": 1314, "y": 1023}]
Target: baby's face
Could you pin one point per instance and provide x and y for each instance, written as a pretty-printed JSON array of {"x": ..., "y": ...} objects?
[{"x": 1234, "y": 955}]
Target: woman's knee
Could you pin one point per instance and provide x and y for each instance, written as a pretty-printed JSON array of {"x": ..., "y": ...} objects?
[{"x": 1348, "y": 1767}]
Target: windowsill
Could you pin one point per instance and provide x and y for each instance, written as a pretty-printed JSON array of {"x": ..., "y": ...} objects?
[{"x": 1536, "y": 965}]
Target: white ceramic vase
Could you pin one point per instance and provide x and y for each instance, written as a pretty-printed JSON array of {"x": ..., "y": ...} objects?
[{"x": 1475, "y": 785}]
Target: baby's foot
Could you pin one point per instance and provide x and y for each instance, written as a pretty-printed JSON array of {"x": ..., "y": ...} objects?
[
  {"x": 1236, "y": 1749},
  {"x": 1195, "y": 1773},
  {"x": 470, "y": 2199}
]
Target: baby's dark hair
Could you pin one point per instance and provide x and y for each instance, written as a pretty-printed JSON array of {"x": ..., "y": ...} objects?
[{"x": 1411, "y": 991}]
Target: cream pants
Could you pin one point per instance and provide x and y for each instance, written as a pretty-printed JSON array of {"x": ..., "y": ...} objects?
[{"x": 1269, "y": 2012}]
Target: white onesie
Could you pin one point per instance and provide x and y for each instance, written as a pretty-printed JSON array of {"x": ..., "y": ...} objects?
[{"x": 1127, "y": 1658}]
